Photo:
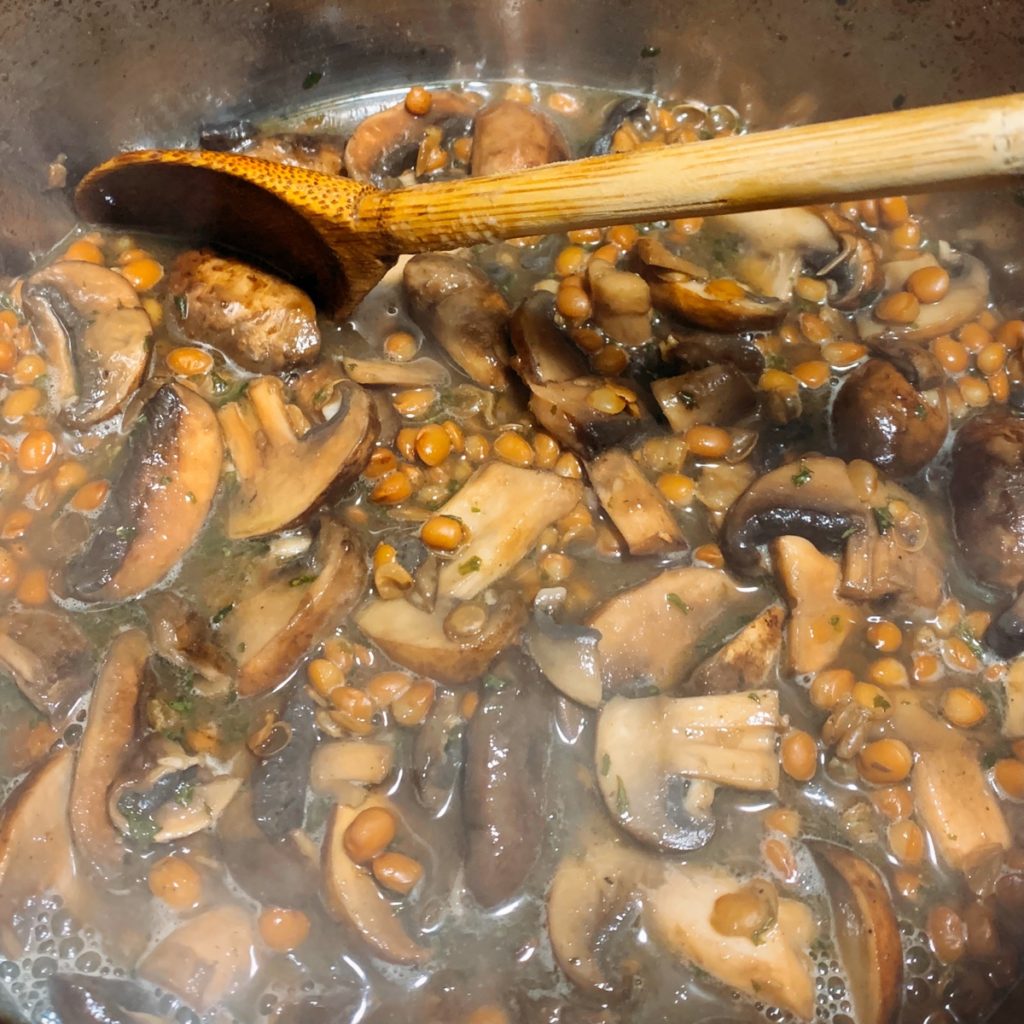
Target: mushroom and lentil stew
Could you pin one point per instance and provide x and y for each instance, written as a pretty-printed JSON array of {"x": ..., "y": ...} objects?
[{"x": 596, "y": 628}]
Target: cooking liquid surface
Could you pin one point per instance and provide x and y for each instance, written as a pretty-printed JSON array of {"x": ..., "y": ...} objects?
[{"x": 495, "y": 965}]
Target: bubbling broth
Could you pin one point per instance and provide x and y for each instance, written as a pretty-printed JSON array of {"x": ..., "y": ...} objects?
[{"x": 609, "y": 627}]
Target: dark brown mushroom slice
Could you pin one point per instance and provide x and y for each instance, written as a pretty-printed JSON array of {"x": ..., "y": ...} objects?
[
  {"x": 508, "y": 742},
  {"x": 438, "y": 755},
  {"x": 95, "y": 333},
  {"x": 878, "y": 415},
  {"x": 543, "y": 352},
  {"x": 854, "y": 275},
  {"x": 718, "y": 394},
  {"x": 512, "y": 136},
  {"x": 49, "y": 658},
  {"x": 158, "y": 502},
  {"x": 912, "y": 359},
  {"x": 416, "y": 639},
  {"x": 87, "y": 999},
  {"x": 636, "y": 507},
  {"x": 745, "y": 662},
  {"x": 279, "y": 782},
  {"x": 284, "y": 473},
  {"x": 227, "y": 136},
  {"x": 568, "y": 657},
  {"x": 386, "y": 143},
  {"x": 186, "y": 639},
  {"x": 630, "y": 109},
  {"x": 1005, "y": 634},
  {"x": 459, "y": 306},
  {"x": 415, "y": 373},
  {"x": 108, "y": 744},
  {"x": 986, "y": 490},
  {"x": 271, "y": 629},
  {"x": 299, "y": 149},
  {"x": 258, "y": 320},
  {"x": 867, "y": 933}
]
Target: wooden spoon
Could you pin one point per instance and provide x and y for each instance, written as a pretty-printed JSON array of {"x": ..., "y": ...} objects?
[{"x": 336, "y": 237}]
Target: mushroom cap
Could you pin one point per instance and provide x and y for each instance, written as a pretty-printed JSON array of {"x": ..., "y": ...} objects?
[{"x": 511, "y": 136}]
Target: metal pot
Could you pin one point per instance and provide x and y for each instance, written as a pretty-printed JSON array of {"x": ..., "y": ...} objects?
[{"x": 85, "y": 78}]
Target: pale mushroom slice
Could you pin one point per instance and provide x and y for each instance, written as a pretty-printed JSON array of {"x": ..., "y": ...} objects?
[
  {"x": 745, "y": 662},
  {"x": 159, "y": 500},
  {"x": 568, "y": 656},
  {"x": 775, "y": 969},
  {"x": 207, "y": 958},
  {"x": 258, "y": 320},
  {"x": 504, "y": 510},
  {"x": 96, "y": 336},
  {"x": 635, "y": 505},
  {"x": 718, "y": 394},
  {"x": 352, "y": 897},
  {"x": 417, "y": 640},
  {"x": 107, "y": 747},
  {"x": 691, "y": 745},
  {"x": 49, "y": 658},
  {"x": 271, "y": 628},
  {"x": 512, "y": 136},
  {"x": 416, "y": 373},
  {"x": 283, "y": 472},
  {"x": 36, "y": 852},
  {"x": 968, "y": 295},
  {"x": 651, "y": 633},
  {"x": 867, "y": 933}
]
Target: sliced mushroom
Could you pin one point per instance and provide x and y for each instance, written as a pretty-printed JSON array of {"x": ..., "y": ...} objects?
[
  {"x": 279, "y": 782},
  {"x": 87, "y": 999},
  {"x": 568, "y": 656},
  {"x": 49, "y": 658},
  {"x": 511, "y": 136},
  {"x": 273, "y": 628},
  {"x": 107, "y": 746},
  {"x": 459, "y": 306},
  {"x": 182, "y": 636},
  {"x": 1005, "y": 634},
  {"x": 508, "y": 742},
  {"x": 282, "y": 472},
  {"x": 720, "y": 304},
  {"x": 987, "y": 493},
  {"x": 417, "y": 639},
  {"x": 651, "y": 633},
  {"x": 158, "y": 502},
  {"x": 855, "y": 275},
  {"x": 504, "y": 509},
  {"x": 664, "y": 798},
  {"x": 36, "y": 854},
  {"x": 967, "y": 296},
  {"x": 879, "y": 416},
  {"x": 622, "y": 303},
  {"x": 634, "y": 505},
  {"x": 314, "y": 152},
  {"x": 628, "y": 111},
  {"x": 437, "y": 756},
  {"x": 261, "y": 322},
  {"x": 718, "y": 394},
  {"x": 867, "y": 933},
  {"x": 774, "y": 969},
  {"x": 543, "y": 352},
  {"x": 385, "y": 144},
  {"x": 819, "y": 620},
  {"x": 341, "y": 767},
  {"x": 95, "y": 333},
  {"x": 747, "y": 661},
  {"x": 414, "y": 374},
  {"x": 206, "y": 959},
  {"x": 589, "y": 895},
  {"x": 352, "y": 896}
]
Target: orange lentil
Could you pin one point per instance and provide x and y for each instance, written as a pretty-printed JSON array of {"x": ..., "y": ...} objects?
[
  {"x": 991, "y": 359},
  {"x": 34, "y": 588},
  {"x": 947, "y": 934},
  {"x": 547, "y": 451},
  {"x": 828, "y": 688},
  {"x": 951, "y": 354},
  {"x": 143, "y": 274},
  {"x": 513, "y": 448},
  {"x": 8, "y": 355},
  {"x": 19, "y": 404},
  {"x": 779, "y": 857},
  {"x": 188, "y": 361},
  {"x": 974, "y": 337},
  {"x": 400, "y": 346},
  {"x": 812, "y": 374},
  {"x": 36, "y": 451},
  {"x": 414, "y": 705},
  {"x": 469, "y": 703},
  {"x": 784, "y": 820},
  {"x": 963, "y": 707},
  {"x": 573, "y": 302},
  {"x": 353, "y": 709},
  {"x": 392, "y": 489},
  {"x": 958, "y": 656},
  {"x": 708, "y": 442},
  {"x": 584, "y": 236},
  {"x": 1009, "y": 776},
  {"x": 677, "y": 488},
  {"x": 898, "y": 308},
  {"x": 843, "y": 353},
  {"x": 885, "y": 761},
  {"x": 623, "y": 235},
  {"x": 397, "y": 872},
  {"x": 571, "y": 260},
  {"x": 386, "y": 687},
  {"x": 799, "y": 755},
  {"x": 8, "y": 571},
  {"x": 282, "y": 929},
  {"x": 928, "y": 284},
  {"x": 442, "y": 533},
  {"x": 893, "y": 802},
  {"x": 974, "y": 391},
  {"x": 174, "y": 881},
  {"x": 683, "y": 227},
  {"x": 414, "y": 402},
  {"x": 814, "y": 328},
  {"x": 382, "y": 461},
  {"x": 1010, "y": 334},
  {"x": 90, "y": 496},
  {"x": 906, "y": 235},
  {"x": 710, "y": 555},
  {"x": 418, "y": 101},
  {"x": 608, "y": 253},
  {"x": 893, "y": 210},
  {"x": 370, "y": 833},
  {"x": 888, "y": 672},
  {"x": 28, "y": 369},
  {"x": 84, "y": 251},
  {"x": 906, "y": 840},
  {"x": 926, "y": 668},
  {"x": 563, "y": 103},
  {"x": 477, "y": 447},
  {"x": 433, "y": 445},
  {"x": 324, "y": 676},
  {"x": 999, "y": 387},
  {"x": 884, "y": 636}
]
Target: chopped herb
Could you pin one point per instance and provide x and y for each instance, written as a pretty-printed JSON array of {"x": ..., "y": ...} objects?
[
  {"x": 835, "y": 622},
  {"x": 41, "y": 381},
  {"x": 124, "y": 532},
  {"x": 166, "y": 481},
  {"x": 184, "y": 792},
  {"x": 760, "y": 935},
  {"x": 493, "y": 682},
  {"x": 301, "y": 581},
  {"x": 881, "y": 702},
  {"x": 970, "y": 639},
  {"x": 989, "y": 759},
  {"x": 183, "y": 705},
  {"x": 920, "y": 411},
  {"x": 621, "y": 796},
  {"x": 650, "y": 690},
  {"x": 755, "y": 697},
  {"x": 181, "y": 305},
  {"x": 677, "y": 602},
  {"x": 312, "y": 79},
  {"x": 606, "y": 764},
  {"x": 221, "y": 615},
  {"x": 688, "y": 399},
  {"x": 774, "y": 362},
  {"x": 851, "y": 530},
  {"x": 883, "y": 518},
  {"x": 475, "y": 508},
  {"x": 803, "y": 477},
  {"x": 241, "y": 648},
  {"x": 321, "y": 397},
  {"x": 470, "y": 565},
  {"x": 726, "y": 248},
  {"x": 220, "y": 385},
  {"x": 190, "y": 498}
]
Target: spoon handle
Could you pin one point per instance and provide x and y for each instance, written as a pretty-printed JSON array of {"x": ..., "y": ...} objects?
[{"x": 956, "y": 144}]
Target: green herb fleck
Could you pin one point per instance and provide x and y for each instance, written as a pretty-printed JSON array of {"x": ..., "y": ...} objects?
[
  {"x": 183, "y": 705},
  {"x": 970, "y": 639},
  {"x": 475, "y": 508},
  {"x": 881, "y": 702},
  {"x": 301, "y": 581},
  {"x": 920, "y": 411},
  {"x": 803, "y": 477},
  {"x": 124, "y": 532},
  {"x": 760, "y": 935},
  {"x": 606, "y": 764},
  {"x": 219, "y": 384},
  {"x": 470, "y": 565},
  {"x": 774, "y": 362},
  {"x": 184, "y": 792},
  {"x": 851, "y": 530},
  {"x": 835, "y": 622},
  {"x": 166, "y": 481},
  {"x": 241, "y": 647},
  {"x": 621, "y": 797},
  {"x": 221, "y": 615},
  {"x": 755, "y": 697},
  {"x": 41, "y": 381},
  {"x": 493, "y": 682},
  {"x": 677, "y": 602},
  {"x": 321, "y": 397},
  {"x": 312, "y": 79},
  {"x": 883, "y": 518}
]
